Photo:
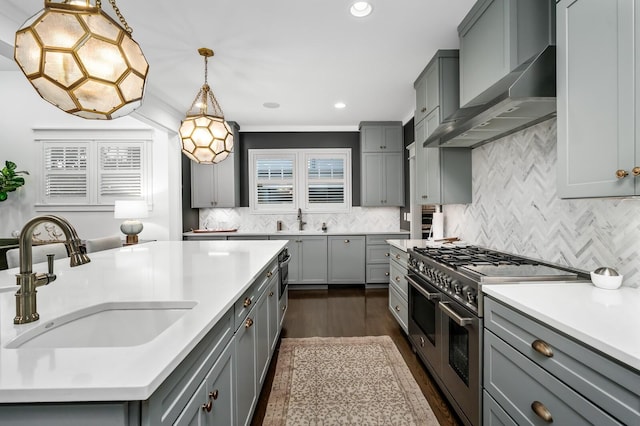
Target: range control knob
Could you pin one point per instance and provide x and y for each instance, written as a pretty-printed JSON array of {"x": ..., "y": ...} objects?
[
  {"x": 421, "y": 266},
  {"x": 471, "y": 295},
  {"x": 457, "y": 287}
]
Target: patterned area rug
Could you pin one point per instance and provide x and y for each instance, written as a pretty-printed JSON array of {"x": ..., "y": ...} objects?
[{"x": 325, "y": 381}]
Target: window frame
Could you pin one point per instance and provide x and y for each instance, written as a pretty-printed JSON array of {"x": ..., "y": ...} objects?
[
  {"x": 93, "y": 140},
  {"x": 301, "y": 180}
]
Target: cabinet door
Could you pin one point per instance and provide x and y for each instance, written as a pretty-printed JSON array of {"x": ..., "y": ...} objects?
[
  {"x": 595, "y": 98},
  {"x": 294, "y": 251},
  {"x": 246, "y": 377},
  {"x": 372, "y": 180},
  {"x": 372, "y": 138},
  {"x": 193, "y": 414},
  {"x": 263, "y": 345},
  {"x": 393, "y": 141},
  {"x": 421, "y": 99},
  {"x": 225, "y": 183},
  {"x": 202, "y": 192},
  {"x": 433, "y": 84},
  {"x": 313, "y": 258},
  {"x": 346, "y": 259},
  {"x": 394, "y": 179},
  {"x": 421, "y": 193},
  {"x": 219, "y": 390}
]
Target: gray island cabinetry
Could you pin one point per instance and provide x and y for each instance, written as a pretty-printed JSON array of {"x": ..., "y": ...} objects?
[
  {"x": 216, "y": 377},
  {"x": 534, "y": 374}
]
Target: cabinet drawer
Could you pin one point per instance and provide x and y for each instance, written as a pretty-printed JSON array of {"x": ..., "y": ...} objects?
[
  {"x": 493, "y": 414},
  {"x": 382, "y": 238},
  {"x": 399, "y": 308},
  {"x": 378, "y": 273},
  {"x": 378, "y": 254},
  {"x": 399, "y": 256},
  {"x": 398, "y": 279},
  {"x": 613, "y": 387},
  {"x": 517, "y": 384},
  {"x": 250, "y": 297}
]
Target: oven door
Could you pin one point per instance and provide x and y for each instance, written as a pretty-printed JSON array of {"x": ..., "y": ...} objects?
[
  {"x": 462, "y": 356},
  {"x": 283, "y": 266},
  {"x": 424, "y": 321}
]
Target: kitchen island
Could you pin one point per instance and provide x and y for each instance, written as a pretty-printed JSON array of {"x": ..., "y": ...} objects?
[{"x": 206, "y": 278}]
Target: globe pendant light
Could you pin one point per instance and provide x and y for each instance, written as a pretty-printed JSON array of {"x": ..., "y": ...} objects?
[
  {"x": 81, "y": 60},
  {"x": 206, "y": 136}
]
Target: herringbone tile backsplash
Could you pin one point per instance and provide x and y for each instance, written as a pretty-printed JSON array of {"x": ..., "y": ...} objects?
[{"x": 516, "y": 209}]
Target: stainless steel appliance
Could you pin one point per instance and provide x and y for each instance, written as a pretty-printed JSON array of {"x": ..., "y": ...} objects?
[
  {"x": 283, "y": 266},
  {"x": 446, "y": 310}
]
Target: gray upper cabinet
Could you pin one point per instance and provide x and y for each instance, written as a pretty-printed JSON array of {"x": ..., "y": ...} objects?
[
  {"x": 346, "y": 259},
  {"x": 498, "y": 35},
  {"x": 443, "y": 175},
  {"x": 217, "y": 185},
  {"x": 382, "y": 165},
  {"x": 598, "y": 143}
]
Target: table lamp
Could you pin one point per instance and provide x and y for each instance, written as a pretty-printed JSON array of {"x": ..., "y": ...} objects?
[{"x": 131, "y": 211}]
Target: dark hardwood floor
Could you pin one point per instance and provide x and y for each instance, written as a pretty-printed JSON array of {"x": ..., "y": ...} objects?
[{"x": 352, "y": 311}]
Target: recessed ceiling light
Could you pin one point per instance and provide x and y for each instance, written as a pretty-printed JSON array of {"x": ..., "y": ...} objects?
[
  {"x": 271, "y": 105},
  {"x": 340, "y": 105},
  {"x": 360, "y": 9}
]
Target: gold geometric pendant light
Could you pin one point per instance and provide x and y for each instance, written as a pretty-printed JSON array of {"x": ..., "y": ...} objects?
[
  {"x": 81, "y": 60},
  {"x": 206, "y": 136}
]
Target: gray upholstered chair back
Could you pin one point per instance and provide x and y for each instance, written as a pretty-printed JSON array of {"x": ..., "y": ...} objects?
[
  {"x": 104, "y": 243},
  {"x": 39, "y": 254}
]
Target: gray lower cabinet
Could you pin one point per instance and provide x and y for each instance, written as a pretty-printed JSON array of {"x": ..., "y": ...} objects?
[
  {"x": 598, "y": 125},
  {"x": 346, "y": 259},
  {"x": 213, "y": 402},
  {"x": 246, "y": 374},
  {"x": 378, "y": 253},
  {"x": 308, "y": 258},
  {"x": 398, "y": 287},
  {"x": 533, "y": 373},
  {"x": 382, "y": 179}
]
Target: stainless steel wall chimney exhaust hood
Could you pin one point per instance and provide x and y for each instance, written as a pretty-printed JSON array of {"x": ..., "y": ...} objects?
[{"x": 522, "y": 98}]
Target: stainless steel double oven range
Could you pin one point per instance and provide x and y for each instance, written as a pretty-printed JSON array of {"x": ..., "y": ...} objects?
[{"x": 446, "y": 312}]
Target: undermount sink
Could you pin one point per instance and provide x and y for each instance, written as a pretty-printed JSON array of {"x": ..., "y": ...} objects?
[{"x": 113, "y": 324}]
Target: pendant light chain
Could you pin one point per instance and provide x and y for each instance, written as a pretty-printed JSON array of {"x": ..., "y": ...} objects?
[
  {"x": 123, "y": 21},
  {"x": 206, "y": 94}
]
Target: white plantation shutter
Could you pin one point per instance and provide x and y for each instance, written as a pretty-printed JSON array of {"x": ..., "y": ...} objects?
[
  {"x": 274, "y": 182},
  {"x": 65, "y": 173},
  {"x": 325, "y": 180},
  {"x": 121, "y": 171},
  {"x": 283, "y": 180}
]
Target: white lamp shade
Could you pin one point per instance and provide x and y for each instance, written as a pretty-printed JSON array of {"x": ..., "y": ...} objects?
[{"x": 130, "y": 209}]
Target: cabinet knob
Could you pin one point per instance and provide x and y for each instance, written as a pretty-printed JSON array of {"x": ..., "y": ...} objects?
[
  {"x": 423, "y": 109},
  {"x": 214, "y": 394},
  {"x": 381, "y": 147},
  {"x": 207, "y": 407},
  {"x": 386, "y": 255},
  {"x": 386, "y": 274},
  {"x": 425, "y": 197},
  {"x": 541, "y": 411},
  {"x": 212, "y": 203},
  {"x": 270, "y": 294},
  {"x": 621, "y": 173},
  {"x": 247, "y": 302},
  {"x": 542, "y": 347},
  {"x": 248, "y": 323},
  {"x": 421, "y": 342},
  {"x": 347, "y": 241},
  {"x": 397, "y": 279},
  {"x": 397, "y": 256},
  {"x": 397, "y": 308},
  {"x": 636, "y": 171},
  {"x": 269, "y": 274},
  {"x": 284, "y": 308}
]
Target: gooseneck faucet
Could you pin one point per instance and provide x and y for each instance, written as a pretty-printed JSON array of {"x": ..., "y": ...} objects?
[
  {"x": 26, "y": 309},
  {"x": 301, "y": 224}
]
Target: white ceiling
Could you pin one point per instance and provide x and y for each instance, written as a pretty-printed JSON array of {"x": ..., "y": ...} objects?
[{"x": 305, "y": 55}]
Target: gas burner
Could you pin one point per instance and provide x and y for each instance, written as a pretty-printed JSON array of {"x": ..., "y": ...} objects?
[{"x": 455, "y": 257}]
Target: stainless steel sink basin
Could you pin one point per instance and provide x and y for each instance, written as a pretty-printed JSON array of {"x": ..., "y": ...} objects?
[{"x": 113, "y": 324}]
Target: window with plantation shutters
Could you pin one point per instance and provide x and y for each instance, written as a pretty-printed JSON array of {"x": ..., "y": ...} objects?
[
  {"x": 89, "y": 170},
  {"x": 283, "y": 180}
]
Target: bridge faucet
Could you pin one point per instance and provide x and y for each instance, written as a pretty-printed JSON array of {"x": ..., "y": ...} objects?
[
  {"x": 26, "y": 310},
  {"x": 301, "y": 224}
]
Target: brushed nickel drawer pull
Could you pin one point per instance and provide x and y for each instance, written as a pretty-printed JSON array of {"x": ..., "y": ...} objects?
[
  {"x": 247, "y": 302},
  {"x": 425, "y": 197},
  {"x": 621, "y": 173},
  {"x": 248, "y": 323},
  {"x": 541, "y": 411},
  {"x": 542, "y": 347}
]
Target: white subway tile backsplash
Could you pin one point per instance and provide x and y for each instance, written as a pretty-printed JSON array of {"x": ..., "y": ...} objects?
[{"x": 516, "y": 209}]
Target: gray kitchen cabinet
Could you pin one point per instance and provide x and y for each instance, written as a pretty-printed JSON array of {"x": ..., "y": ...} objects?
[
  {"x": 267, "y": 328},
  {"x": 398, "y": 287},
  {"x": 346, "y": 259},
  {"x": 213, "y": 403},
  {"x": 378, "y": 253},
  {"x": 443, "y": 175},
  {"x": 217, "y": 185},
  {"x": 533, "y": 371},
  {"x": 382, "y": 182},
  {"x": 381, "y": 136},
  {"x": 498, "y": 35},
  {"x": 308, "y": 258},
  {"x": 246, "y": 374},
  {"x": 598, "y": 125}
]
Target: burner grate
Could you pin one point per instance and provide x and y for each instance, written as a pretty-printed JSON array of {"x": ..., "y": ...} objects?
[{"x": 455, "y": 257}]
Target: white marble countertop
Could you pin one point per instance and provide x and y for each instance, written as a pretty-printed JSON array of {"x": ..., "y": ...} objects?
[
  {"x": 405, "y": 245},
  {"x": 607, "y": 320},
  {"x": 212, "y": 273},
  {"x": 289, "y": 232}
]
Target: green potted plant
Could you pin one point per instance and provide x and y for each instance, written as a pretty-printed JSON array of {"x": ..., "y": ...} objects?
[{"x": 10, "y": 179}]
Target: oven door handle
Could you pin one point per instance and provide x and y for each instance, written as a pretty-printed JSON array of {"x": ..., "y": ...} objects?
[
  {"x": 461, "y": 321},
  {"x": 286, "y": 261},
  {"x": 425, "y": 293}
]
